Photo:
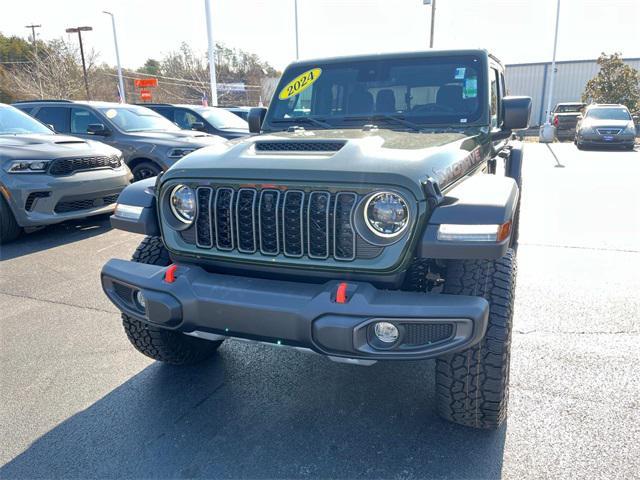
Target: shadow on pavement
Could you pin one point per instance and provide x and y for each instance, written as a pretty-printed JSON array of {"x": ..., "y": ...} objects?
[
  {"x": 240, "y": 416},
  {"x": 55, "y": 235}
]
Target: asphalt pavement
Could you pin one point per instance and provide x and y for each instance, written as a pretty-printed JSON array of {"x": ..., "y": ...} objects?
[{"x": 77, "y": 401}]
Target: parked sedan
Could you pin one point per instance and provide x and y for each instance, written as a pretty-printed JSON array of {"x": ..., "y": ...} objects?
[
  {"x": 606, "y": 125},
  {"x": 213, "y": 120},
  {"x": 47, "y": 178}
]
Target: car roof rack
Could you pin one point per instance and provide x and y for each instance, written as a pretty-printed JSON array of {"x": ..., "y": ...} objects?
[{"x": 46, "y": 100}]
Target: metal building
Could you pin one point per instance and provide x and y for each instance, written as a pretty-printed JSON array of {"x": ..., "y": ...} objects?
[{"x": 532, "y": 79}]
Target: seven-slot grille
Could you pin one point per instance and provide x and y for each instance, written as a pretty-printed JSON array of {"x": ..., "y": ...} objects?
[
  {"x": 67, "y": 166},
  {"x": 294, "y": 223}
]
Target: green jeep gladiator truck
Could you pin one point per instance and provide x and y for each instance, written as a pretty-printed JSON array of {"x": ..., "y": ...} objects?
[{"x": 373, "y": 217}]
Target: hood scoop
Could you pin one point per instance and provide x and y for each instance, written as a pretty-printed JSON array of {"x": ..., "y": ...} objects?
[
  {"x": 307, "y": 146},
  {"x": 68, "y": 142}
]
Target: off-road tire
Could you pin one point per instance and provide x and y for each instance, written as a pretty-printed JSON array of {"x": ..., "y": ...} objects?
[
  {"x": 9, "y": 228},
  {"x": 158, "y": 343},
  {"x": 473, "y": 385}
]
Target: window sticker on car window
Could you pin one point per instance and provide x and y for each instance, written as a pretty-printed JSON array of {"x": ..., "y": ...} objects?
[
  {"x": 471, "y": 87},
  {"x": 460, "y": 71},
  {"x": 111, "y": 113},
  {"x": 300, "y": 83}
]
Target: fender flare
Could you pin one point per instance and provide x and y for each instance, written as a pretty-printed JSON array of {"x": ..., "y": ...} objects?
[
  {"x": 479, "y": 200},
  {"x": 142, "y": 218}
]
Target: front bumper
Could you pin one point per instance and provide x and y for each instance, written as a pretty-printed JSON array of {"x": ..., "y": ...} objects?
[
  {"x": 38, "y": 199},
  {"x": 297, "y": 314},
  {"x": 604, "y": 140}
]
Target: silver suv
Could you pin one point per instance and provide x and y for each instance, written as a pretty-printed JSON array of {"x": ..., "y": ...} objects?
[
  {"x": 149, "y": 142},
  {"x": 47, "y": 178}
]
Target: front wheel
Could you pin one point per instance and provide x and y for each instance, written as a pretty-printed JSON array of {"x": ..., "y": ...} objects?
[
  {"x": 9, "y": 228},
  {"x": 473, "y": 385},
  {"x": 145, "y": 170},
  {"x": 159, "y": 343}
]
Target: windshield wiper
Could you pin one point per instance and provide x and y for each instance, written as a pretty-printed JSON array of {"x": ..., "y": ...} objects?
[
  {"x": 314, "y": 121},
  {"x": 383, "y": 116}
]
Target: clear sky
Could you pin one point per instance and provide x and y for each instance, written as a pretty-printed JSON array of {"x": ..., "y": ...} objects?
[{"x": 515, "y": 30}]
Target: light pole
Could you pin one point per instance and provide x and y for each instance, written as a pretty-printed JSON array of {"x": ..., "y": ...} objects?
[
  {"x": 546, "y": 132},
  {"x": 212, "y": 62},
  {"x": 433, "y": 19},
  {"x": 79, "y": 31},
  {"x": 115, "y": 41},
  {"x": 295, "y": 10},
  {"x": 35, "y": 47}
]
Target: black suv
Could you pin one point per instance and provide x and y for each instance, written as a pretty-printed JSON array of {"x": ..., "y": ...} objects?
[
  {"x": 213, "y": 120},
  {"x": 149, "y": 142},
  {"x": 374, "y": 217}
]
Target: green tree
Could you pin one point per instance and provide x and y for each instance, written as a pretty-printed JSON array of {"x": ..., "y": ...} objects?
[
  {"x": 151, "y": 67},
  {"x": 616, "y": 82}
]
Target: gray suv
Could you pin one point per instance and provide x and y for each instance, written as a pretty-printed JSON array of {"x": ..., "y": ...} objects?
[
  {"x": 47, "y": 178},
  {"x": 149, "y": 142}
]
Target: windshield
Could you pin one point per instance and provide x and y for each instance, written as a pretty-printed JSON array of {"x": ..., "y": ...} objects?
[
  {"x": 137, "y": 119},
  {"x": 222, "y": 119},
  {"x": 13, "y": 122},
  {"x": 422, "y": 90},
  {"x": 569, "y": 108},
  {"x": 609, "y": 114}
]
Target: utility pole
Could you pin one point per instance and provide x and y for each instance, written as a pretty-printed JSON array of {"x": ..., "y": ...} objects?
[
  {"x": 79, "y": 31},
  {"x": 295, "y": 10},
  {"x": 212, "y": 60},
  {"x": 547, "y": 130},
  {"x": 433, "y": 19},
  {"x": 35, "y": 47},
  {"x": 115, "y": 41}
]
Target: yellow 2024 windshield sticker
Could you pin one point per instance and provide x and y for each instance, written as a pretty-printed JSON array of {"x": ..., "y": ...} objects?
[{"x": 300, "y": 83}]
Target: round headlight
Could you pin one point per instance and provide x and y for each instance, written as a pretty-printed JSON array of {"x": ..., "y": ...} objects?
[
  {"x": 183, "y": 203},
  {"x": 386, "y": 214}
]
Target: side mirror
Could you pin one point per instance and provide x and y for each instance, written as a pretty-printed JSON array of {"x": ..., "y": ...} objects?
[
  {"x": 97, "y": 129},
  {"x": 255, "y": 119},
  {"x": 516, "y": 112},
  {"x": 636, "y": 118},
  {"x": 197, "y": 126}
]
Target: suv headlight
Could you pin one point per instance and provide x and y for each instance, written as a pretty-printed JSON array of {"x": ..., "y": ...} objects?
[
  {"x": 183, "y": 203},
  {"x": 386, "y": 214},
  {"x": 180, "y": 152},
  {"x": 631, "y": 129},
  {"x": 116, "y": 161},
  {"x": 28, "y": 166}
]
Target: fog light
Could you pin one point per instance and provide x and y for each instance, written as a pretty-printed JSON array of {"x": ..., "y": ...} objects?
[
  {"x": 386, "y": 332},
  {"x": 140, "y": 300}
]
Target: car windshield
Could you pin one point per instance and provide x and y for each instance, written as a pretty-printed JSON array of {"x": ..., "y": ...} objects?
[
  {"x": 569, "y": 108},
  {"x": 609, "y": 114},
  {"x": 424, "y": 91},
  {"x": 222, "y": 119},
  {"x": 14, "y": 122},
  {"x": 137, "y": 119}
]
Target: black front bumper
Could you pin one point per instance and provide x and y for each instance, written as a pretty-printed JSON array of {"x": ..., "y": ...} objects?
[{"x": 296, "y": 314}]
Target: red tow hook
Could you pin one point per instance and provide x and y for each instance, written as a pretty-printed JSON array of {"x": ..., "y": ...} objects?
[
  {"x": 341, "y": 293},
  {"x": 170, "y": 273}
]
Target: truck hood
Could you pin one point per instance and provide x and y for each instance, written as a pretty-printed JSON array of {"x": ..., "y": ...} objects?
[
  {"x": 381, "y": 157},
  {"x": 48, "y": 146}
]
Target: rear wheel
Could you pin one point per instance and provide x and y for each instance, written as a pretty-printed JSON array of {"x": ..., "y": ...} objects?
[
  {"x": 158, "y": 343},
  {"x": 473, "y": 385},
  {"x": 145, "y": 170},
  {"x": 9, "y": 228}
]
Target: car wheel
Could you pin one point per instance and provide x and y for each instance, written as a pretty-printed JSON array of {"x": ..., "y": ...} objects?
[
  {"x": 159, "y": 343},
  {"x": 145, "y": 170},
  {"x": 9, "y": 228}
]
